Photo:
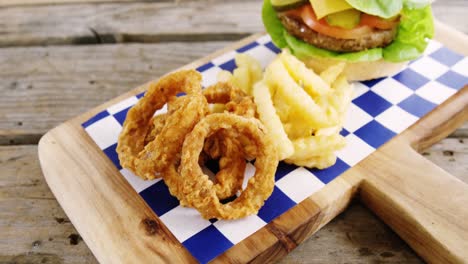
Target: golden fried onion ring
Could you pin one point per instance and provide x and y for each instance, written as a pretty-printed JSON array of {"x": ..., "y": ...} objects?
[
  {"x": 236, "y": 100},
  {"x": 232, "y": 163},
  {"x": 150, "y": 160},
  {"x": 198, "y": 189},
  {"x": 229, "y": 178}
]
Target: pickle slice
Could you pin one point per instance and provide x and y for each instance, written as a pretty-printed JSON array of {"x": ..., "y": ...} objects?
[
  {"x": 347, "y": 19},
  {"x": 283, "y": 5}
]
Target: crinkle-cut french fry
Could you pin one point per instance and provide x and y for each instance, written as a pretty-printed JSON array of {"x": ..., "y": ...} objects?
[
  {"x": 309, "y": 80},
  {"x": 247, "y": 61},
  {"x": 331, "y": 74},
  {"x": 343, "y": 94},
  {"x": 270, "y": 119},
  {"x": 328, "y": 131},
  {"x": 309, "y": 147},
  {"x": 277, "y": 76},
  {"x": 303, "y": 111},
  {"x": 248, "y": 72},
  {"x": 242, "y": 79},
  {"x": 323, "y": 161}
]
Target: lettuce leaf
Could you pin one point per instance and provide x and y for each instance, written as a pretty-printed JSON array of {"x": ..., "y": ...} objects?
[
  {"x": 415, "y": 28},
  {"x": 273, "y": 25}
]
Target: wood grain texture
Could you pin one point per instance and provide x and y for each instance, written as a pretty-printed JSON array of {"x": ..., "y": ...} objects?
[
  {"x": 152, "y": 21},
  {"x": 56, "y": 83},
  {"x": 447, "y": 153},
  {"x": 355, "y": 236},
  {"x": 422, "y": 203},
  {"x": 10, "y": 3},
  {"x": 129, "y": 22},
  {"x": 33, "y": 226}
]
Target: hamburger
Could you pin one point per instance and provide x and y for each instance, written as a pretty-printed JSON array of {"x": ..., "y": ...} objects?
[{"x": 375, "y": 38}]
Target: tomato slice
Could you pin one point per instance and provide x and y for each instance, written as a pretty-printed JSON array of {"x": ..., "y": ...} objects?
[
  {"x": 377, "y": 22},
  {"x": 307, "y": 14}
]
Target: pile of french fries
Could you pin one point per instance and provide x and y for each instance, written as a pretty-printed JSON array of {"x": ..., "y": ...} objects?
[{"x": 304, "y": 111}]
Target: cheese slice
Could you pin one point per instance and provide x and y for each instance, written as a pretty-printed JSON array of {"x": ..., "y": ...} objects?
[{"x": 323, "y": 8}]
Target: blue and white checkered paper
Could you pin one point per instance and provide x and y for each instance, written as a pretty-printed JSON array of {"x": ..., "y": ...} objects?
[{"x": 380, "y": 110}]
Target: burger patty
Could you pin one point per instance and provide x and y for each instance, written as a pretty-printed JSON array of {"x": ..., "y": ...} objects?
[{"x": 376, "y": 39}]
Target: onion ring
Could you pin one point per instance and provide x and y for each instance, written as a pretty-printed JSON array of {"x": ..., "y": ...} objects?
[
  {"x": 156, "y": 125},
  {"x": 236, "y": 101},
  {"x": 228, "y": 181},
  {"x": 152, "y": 146},
  {"x": 232, "y": 165},
  {"x": 198, "y": 189},
  {"x": 149, "y": 161}
]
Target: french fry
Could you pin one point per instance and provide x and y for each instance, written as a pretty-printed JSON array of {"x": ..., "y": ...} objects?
[
  {"x": 282, "y": 108},
  {"x": 328, "y": 131},
  {"x": 337, "y": 102},
  {"x": 241, "y": 79},
  {"x": 272, "y": 122},
  {"x": 248, "y": 72},
  {"x": 297, "y": 128},
  {"x": 255, "y": 69},
  {"x": 343, "y": 94},
  {"x": 303, "y": 111},
  {"x": 323, "y": 161},
  {"x": 331, "y": 74},
  {"x": 277, "y": 76},
  {"x": 311, "y": 82},
  {"x": 313, "y": 146}
]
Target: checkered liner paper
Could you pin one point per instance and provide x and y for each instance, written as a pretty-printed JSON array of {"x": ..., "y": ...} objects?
[{"x": 380, "y": 110}]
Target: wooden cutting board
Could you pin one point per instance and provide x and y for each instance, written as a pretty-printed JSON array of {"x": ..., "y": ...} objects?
[{"x": 425, "y": 205}]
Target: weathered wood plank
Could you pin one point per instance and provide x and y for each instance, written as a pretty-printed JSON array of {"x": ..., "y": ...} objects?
[
  {"x": 4, "y": 3},
  {"x": 451, "y": 154},
  {"x": 129, "y": 22},
  {"x": 151, "y": 21},
  {"x": 355, "y": 236},
  {"x": 462, "y": 132},
  {"x": 42, "y": 87},
  {"x": 33, "y": 225}
]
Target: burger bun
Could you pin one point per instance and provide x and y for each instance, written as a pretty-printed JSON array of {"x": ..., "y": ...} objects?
[{"x": 359, "y": 71}]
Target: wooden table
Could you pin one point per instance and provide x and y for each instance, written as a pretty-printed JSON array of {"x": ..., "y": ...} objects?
[{"x": 59, "y": 58}]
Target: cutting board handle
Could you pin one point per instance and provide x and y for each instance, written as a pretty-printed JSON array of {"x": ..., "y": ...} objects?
[{"x": 425, "y": 205}]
